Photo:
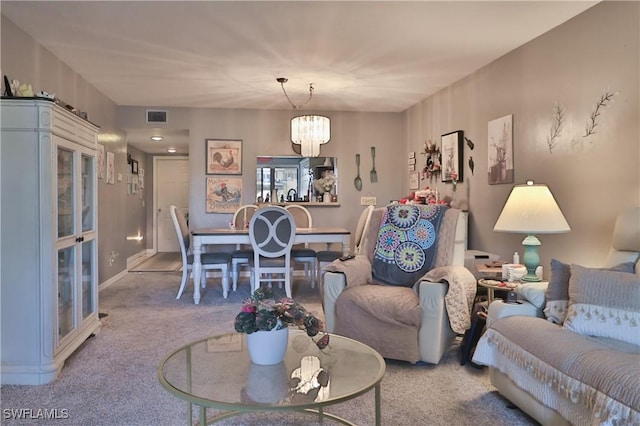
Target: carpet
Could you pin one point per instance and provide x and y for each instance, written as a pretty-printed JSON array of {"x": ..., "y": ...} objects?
[
  {"x": 160, "y": 262},
  {"x": 112, "y": 379}
]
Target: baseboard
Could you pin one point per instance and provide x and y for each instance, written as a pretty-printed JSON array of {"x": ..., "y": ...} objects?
[
  {"x": 138, "y": 258},
  {"x": 112, "y": 280}
]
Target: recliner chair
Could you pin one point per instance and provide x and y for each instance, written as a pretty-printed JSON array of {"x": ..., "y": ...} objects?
[{"x": 403, "y": 323}]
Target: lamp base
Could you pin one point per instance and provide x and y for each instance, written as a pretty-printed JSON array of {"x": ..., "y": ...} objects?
[{"x": 531, "y": 258}]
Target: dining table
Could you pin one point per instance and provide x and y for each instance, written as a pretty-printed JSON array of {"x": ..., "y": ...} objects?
[{"x": 223, "y": 236}]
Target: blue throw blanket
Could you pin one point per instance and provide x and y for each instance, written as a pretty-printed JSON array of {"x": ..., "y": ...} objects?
[{"x": 407, "y": 242}]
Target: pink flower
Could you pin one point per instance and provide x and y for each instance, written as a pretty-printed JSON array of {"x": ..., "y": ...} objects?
[{"x": 248, "y": 308}]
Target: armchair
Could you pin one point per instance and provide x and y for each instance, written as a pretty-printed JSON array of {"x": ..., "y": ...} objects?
[{"x": 416, "y": 320}]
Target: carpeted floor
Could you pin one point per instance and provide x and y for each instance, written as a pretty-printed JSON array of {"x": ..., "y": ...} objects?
[
  {"x": 160, "y": 262},
  {"x": 112, "y": 379}
]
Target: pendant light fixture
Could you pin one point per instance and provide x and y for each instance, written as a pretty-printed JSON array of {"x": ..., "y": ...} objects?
[{"x": 308, "y": 130}]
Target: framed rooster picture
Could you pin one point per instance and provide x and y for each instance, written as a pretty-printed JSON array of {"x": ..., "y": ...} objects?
[
  {"x": 223, "y": 194},
  {"x": 224, "y": 156}
]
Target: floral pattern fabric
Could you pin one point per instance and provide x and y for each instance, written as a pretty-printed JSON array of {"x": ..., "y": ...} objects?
[{"x": 406, "y": 244}]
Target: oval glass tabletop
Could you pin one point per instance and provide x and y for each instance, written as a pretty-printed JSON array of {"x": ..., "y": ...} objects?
[{"x": 217, "y": 372}]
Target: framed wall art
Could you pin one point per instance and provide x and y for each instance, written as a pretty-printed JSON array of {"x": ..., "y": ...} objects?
[
  {"x": 134, "y": 167},
  {"x": 224, "y": 157},
  {"x": 111, "y": 168},
  {"x": 500, "y": 150},
  {"x": 414, "y": 180},
  {"x": 223, "y": 194},
  {"x": 451, "y": 151},
  {"x": 100, "y": 159}
]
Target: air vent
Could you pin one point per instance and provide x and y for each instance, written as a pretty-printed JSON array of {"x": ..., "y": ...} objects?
[{"x": 156, "y": 116}]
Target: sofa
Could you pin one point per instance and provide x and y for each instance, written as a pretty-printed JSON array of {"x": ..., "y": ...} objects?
[
  {"x": 415, "y": 320},
  {"x": 569, "y": 351}
]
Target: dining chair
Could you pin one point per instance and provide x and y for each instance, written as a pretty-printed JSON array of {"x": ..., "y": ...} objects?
[
  {"x": 301, "y": 253},
  {"x": 210, "y": 261},
  {"x": 327, "y": 256},
  {"x": 271, "y": 231},
  {"x": 242, "y": 253}
]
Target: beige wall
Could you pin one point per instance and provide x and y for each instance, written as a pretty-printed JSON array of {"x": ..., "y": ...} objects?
[
  {"x": 119, "y": 214},
  {"x": 592, "y": 178},
  {"x": 267, "y": 133}
]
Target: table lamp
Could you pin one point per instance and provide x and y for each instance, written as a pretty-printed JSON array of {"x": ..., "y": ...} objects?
[{"x": 531, "y": 209}]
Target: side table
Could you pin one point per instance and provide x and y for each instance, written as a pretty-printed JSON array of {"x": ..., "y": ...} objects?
[{"x": 492, "y": 285}]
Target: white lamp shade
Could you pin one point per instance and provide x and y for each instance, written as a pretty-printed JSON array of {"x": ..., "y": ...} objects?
[
  {"x": 531, "y": 209},
  {"x": 310, "y": 131}
]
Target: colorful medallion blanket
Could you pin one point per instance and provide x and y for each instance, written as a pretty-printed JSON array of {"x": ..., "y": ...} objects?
[{"x": 406, "y": 245}]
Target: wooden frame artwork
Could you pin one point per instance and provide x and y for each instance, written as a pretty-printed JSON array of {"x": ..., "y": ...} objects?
[
  {"x": 414, "y": 180},
  {"x": 451, "y": 149},
  {"x": 500, "y": 150},
  {"x": 134, "y": 167},
  {"x": 223, "y": 194},
  {"x": 224, "y": 156}
]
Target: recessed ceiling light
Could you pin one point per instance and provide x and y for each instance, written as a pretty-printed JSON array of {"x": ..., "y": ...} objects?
[
  {"x": 156, "y": 138},
  {"x": 171, "y": 150}
]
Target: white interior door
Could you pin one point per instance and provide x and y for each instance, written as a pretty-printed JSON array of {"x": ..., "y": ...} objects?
[{"x": 171, "y": 187}]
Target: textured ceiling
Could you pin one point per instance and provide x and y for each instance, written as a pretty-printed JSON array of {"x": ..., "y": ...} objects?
[{"x": 360, "y": 56}]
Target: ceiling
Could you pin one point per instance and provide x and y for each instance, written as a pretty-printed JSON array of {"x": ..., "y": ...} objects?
[{"x": 360, "y": 55}]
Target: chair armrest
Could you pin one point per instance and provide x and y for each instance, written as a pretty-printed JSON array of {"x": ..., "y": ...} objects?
[
  {"x": 499, "y": 309},
  {"x": 338, "y": 274},
  {"x": 435, "y": 335},
  {"x": 333, "y": 285}
]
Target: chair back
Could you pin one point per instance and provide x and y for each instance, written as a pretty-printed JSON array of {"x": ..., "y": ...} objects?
[
  {"x": 242, "y": 216},
  {"x": 456, "y": 236},
  {"x": 301, "y": 216},
  {"x": 363, "y": 223},
  {"x": 272, "y": 231},
  {"x": 625, "y": 243},
  {"x": 182, "y": 231}
]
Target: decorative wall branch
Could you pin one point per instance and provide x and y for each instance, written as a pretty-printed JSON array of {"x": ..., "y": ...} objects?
[
  {"x": 605, "y": 100},
  {"x": 556, "y": 127}
]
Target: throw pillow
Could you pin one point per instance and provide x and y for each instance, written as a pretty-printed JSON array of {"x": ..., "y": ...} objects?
[
  {"x": 555, "y": 309},
  {"x": 533, "y": 292},
  {"x": 604, "y": 303},
  {"x": 557, "y": 299}
]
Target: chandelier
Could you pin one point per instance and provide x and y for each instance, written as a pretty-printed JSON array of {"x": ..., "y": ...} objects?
[{"x": 309, "y": 130}]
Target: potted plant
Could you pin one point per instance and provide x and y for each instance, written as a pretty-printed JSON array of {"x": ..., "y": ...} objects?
[{"x": 262, "y": 314}]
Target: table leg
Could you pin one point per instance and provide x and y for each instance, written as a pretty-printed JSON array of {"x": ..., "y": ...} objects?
[
  {"x": 197, "y": 269},
  {"x": 346, "y": 245},
  {"x": 490, "y": 295},
  {"x": 378, "y": 409},
  {"x": 203, "y": 415}
]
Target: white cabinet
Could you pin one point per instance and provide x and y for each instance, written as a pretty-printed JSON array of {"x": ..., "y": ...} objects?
[{"x": 49, "y": 277}]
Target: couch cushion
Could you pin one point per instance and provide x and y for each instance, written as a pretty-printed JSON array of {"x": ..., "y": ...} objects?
[
  {"x": 557, "y": 298},
  {"x": 386, "y": 303},
  {"x": 587, "y": 380},
  {"x": 604, "y": 303},
  {"x": 535, "y": 293}
]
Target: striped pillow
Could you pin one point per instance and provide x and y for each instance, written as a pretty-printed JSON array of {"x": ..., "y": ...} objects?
[{"x": 604, "y": 303}]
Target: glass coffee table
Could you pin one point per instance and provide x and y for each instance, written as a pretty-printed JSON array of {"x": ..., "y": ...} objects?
[{"x": 216, "y": 373}]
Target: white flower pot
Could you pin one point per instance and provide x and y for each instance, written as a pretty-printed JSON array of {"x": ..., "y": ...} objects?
[
  {"x": 268, "y": 347},
  {"x": 267, "y": 384},
  {"x": 326, "y": 197}
]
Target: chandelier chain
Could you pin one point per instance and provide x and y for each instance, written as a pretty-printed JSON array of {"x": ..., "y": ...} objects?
[{"x": 295, "y": 107}]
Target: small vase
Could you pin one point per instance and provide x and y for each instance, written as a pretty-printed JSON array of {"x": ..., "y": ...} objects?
[
  {"x": 268, "y": 347},
  {"x": 326, "y": 197}
]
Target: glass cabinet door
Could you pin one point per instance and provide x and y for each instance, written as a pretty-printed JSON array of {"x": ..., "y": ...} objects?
[
  {"x": 87, "y": 198},
  {"x": 88, "y": 276},
  {"x": 66, "y": 292},
  {"x": 66, "y": 193},
  {"x": 76, "y": 244}
]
